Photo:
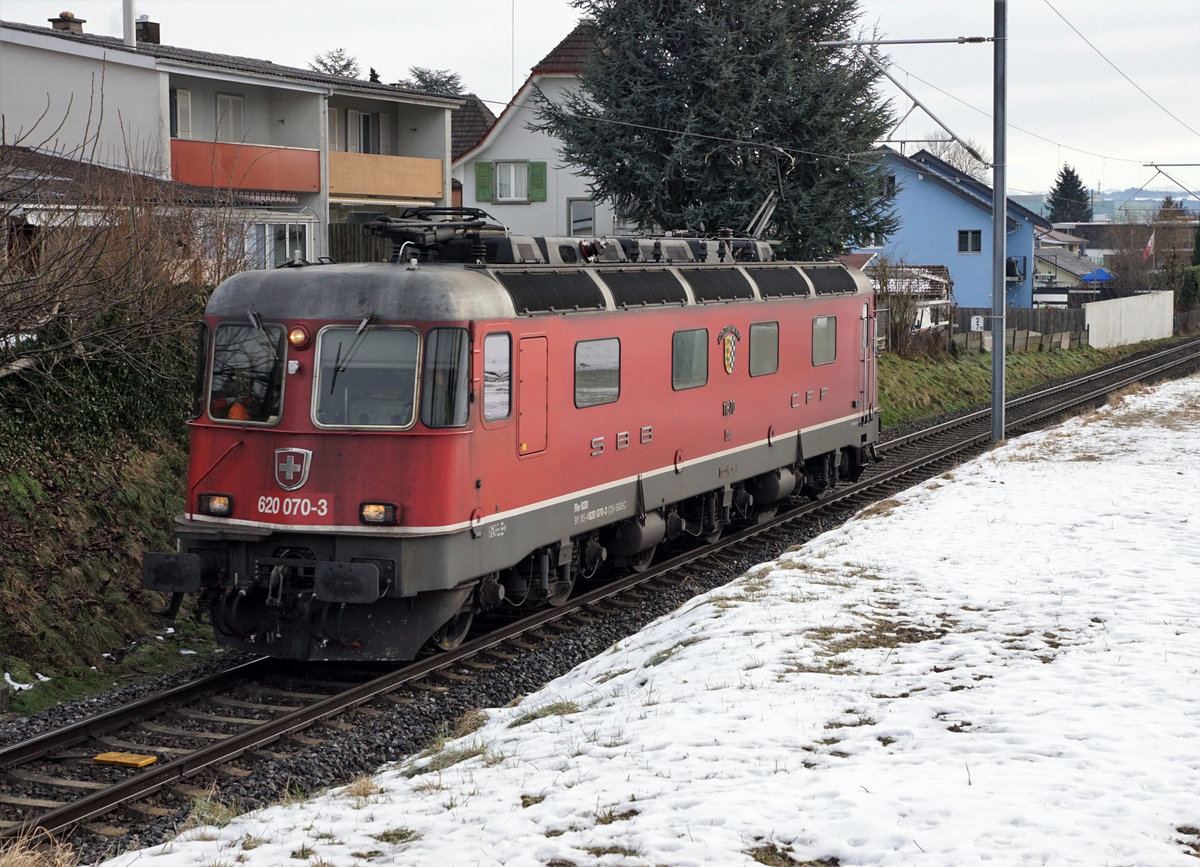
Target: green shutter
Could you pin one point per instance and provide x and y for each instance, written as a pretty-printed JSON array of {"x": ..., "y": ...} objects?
[
  {"x": 537, "y": 182},
  {"x": 483, "y": 181}
]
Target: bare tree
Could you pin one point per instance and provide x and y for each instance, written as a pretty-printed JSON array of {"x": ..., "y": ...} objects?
[
  {"x": 101, "y": 264},
  {"x": 950, "y": 151}
]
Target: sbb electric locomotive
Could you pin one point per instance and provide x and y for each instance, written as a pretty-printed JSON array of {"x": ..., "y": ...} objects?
[{"x": 381, "y": 451}]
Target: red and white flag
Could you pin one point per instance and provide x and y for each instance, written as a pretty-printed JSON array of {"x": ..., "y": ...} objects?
[{"x": 1149, "y": 251}]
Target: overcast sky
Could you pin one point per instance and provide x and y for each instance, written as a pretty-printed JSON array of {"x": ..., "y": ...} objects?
[{"x": 1067, "y": 102}]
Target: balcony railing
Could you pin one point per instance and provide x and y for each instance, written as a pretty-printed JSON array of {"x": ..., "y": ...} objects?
[
  {"x": 246, "y": 166},
  {"x": 380, "y": 176}
]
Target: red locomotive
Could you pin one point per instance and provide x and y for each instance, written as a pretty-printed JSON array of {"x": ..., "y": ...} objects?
[{"x": 379, "y": 451}]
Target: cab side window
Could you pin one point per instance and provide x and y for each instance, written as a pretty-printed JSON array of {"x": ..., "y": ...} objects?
[{"x": 497, "y": 377}]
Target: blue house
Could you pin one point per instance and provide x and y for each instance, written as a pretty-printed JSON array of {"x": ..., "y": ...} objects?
[{"x": 946, "y": 219}]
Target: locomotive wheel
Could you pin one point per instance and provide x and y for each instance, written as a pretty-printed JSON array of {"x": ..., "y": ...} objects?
[
  {"x": 641, "y": 562},
  {"x": 451, "y": 633}
]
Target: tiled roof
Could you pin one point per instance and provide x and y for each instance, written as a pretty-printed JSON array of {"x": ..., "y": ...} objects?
[
  {"x": 227, "y": 62},
  {"x": 570, "y": 55},
  {"x": 468, "y": 124}
]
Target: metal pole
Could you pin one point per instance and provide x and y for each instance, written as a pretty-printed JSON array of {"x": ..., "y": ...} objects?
[{"x": 999, "y": 218}]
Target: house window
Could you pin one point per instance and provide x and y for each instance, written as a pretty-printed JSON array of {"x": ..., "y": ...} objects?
[
  {"x": 512, "y": 182},
  {"x": 970, "y": 240},
  {"x": 582, "y": 216},
  {"x": 229, "y": 118},
  {"x": 271, "y": 245},
  {"x": 367, "y": 132}
]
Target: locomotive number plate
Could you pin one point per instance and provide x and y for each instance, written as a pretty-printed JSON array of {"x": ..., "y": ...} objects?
[{"x": 313, "y": 509}]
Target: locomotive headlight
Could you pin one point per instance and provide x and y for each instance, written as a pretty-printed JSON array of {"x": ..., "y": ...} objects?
[
  {"x": 378, "y": 513},
  {"x": 217, "y": 505},
  {"x": 298, "y": 337}
]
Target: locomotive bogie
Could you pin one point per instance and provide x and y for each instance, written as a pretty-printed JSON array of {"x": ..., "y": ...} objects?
[{"x": 417, "y": 444}]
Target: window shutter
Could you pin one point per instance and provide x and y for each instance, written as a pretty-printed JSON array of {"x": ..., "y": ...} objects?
[
  {"x": 229, "y": 118},
  {"x": 335, "y": 143},
  {"x": 537, "y": 182},
  {"x": 483, "y": 181},
  {"x": 183, "y": 114},
  {"x": 353, "y": 131},
  {"x": 385, "y": 146}
]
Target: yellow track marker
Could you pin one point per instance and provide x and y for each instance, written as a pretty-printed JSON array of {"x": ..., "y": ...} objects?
[{"x": 129, "y": 760}]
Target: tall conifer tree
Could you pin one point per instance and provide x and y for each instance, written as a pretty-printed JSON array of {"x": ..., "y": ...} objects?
[
  {"x": 691, "y": 112},
  {"x": 1070, "y": 200}
]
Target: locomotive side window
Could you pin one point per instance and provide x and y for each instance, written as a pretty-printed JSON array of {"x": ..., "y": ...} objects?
[
  {"x": 824, "y": 344},
  {"x": 497, "y": 376},
  {"x": 366, "y": 376},
  {"x": 597, "y": 372},
  {"x": 198, "y": 380},
  {"x": 764, "y": 348},
  {"x": 247, "y": 373},
  {"x": 689, "y": 359},
  {"x": 444, "y": 385}
]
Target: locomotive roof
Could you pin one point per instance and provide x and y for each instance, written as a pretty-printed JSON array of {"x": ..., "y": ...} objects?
[{"x": 435, "y": 292}]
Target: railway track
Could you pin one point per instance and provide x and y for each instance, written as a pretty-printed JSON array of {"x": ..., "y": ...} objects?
[{"x": 220, "y": 727}]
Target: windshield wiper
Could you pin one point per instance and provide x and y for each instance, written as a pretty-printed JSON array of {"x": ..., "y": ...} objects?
[
  {"x": 339, "y": 363},
  {"x": 257, "y": 323}
]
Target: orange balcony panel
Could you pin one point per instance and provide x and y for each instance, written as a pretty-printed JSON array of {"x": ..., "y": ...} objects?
[
  {"x": 378, "y": 175},
  {"x": 245, "y": 167}
]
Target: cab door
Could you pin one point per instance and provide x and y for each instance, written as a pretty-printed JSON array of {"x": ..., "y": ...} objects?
[{"x": 532, "y": 369}]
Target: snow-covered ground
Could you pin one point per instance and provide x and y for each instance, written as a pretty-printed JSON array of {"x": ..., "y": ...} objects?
[{"x": 997, "y": 666}]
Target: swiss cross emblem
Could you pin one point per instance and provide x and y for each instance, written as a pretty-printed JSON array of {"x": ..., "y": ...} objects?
[
  {"x": 291, "y": 468},
  {"x": 728, "y": 338}
]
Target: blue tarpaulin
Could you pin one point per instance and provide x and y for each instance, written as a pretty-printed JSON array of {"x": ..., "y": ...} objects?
[{"x": 1099, "y": 276}]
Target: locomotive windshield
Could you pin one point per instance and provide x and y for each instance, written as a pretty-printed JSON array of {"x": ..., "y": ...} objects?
[
  {"x": 366, "y": 377},
  {"x": 247, "y": 372}
]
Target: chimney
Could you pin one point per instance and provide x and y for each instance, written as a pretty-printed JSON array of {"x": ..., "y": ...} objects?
[
  {"x": 66, "y": 22},
  {"x": 147, "y": 30}
]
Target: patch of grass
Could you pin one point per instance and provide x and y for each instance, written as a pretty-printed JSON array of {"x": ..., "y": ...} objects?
[
  {"x": 663, "y": 655},
  {"x": 33, "y": 852},
  {"x": 599, "y": 851},
  {"x": 207, "y": 810},
  {"x": 610, "y": 815},
  {"x": 531, "y": 800},
  {"x": 771, "y": 855},
  {"x": 554, "y": 708},
  {"x": 362, "y": 788},
  {"x": 396, "y": 836},
  {"x": 446, "y": 759},
  {"x": 609, "y": 675},
  {"x": 469, "y": 723}
]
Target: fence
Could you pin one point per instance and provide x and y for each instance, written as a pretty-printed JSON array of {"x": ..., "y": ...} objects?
[
  {"x": 349, "y": 243},
  {"x": 1044, "y": 320}
]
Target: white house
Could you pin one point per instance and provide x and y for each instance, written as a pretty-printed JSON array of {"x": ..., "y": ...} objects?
[
  {"x": 295, "y": 151},
  {"x": 516, "y": 174}
]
